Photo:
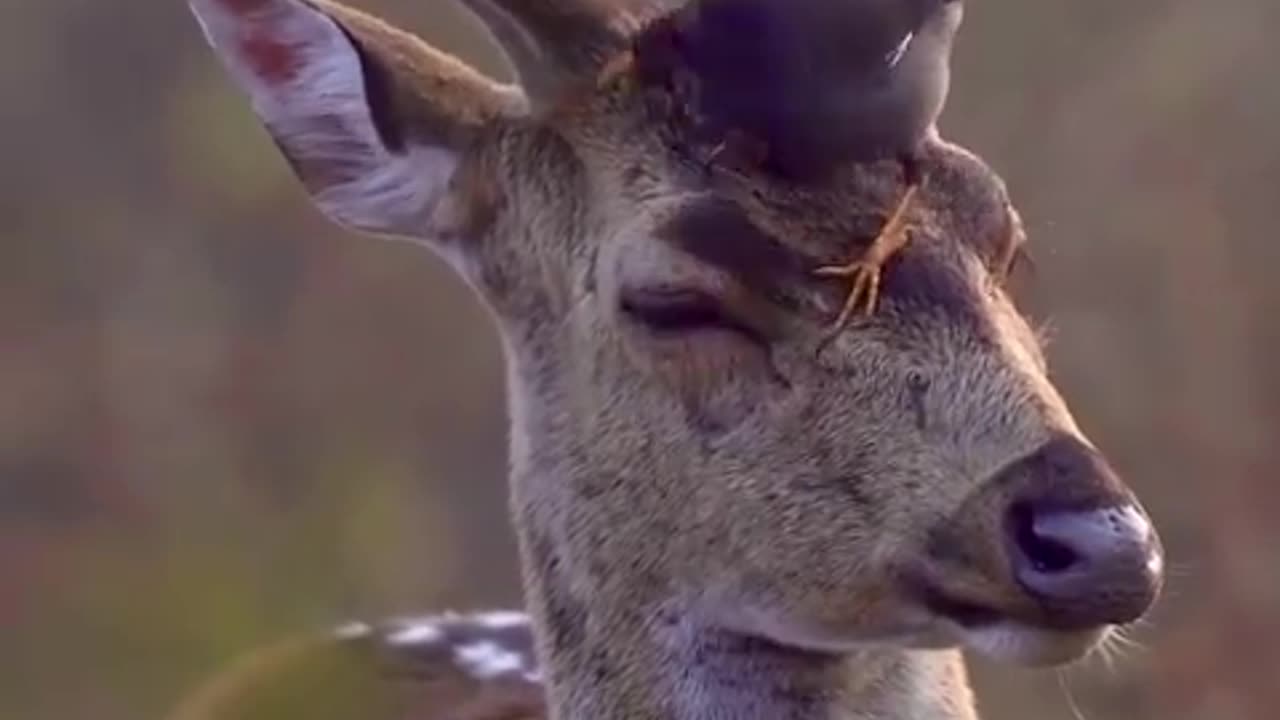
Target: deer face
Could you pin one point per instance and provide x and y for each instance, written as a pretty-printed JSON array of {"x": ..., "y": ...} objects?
[
  {"x": 686, "y": 430},
  {"x": 915, "y": 479}
]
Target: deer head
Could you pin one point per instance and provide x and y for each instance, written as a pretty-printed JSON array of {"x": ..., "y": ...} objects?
[{"x": 714, "y": 499}]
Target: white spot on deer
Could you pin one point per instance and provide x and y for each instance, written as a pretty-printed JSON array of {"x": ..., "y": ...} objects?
[
  {"x": 487, "y": 659},
  {"x": 416, "y": 633},
  {"x": 501, "y": 619},
  {"x": 352, "y": 631}
]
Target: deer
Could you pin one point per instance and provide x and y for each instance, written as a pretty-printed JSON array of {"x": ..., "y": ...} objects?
[{"x": 722, "y": 508}]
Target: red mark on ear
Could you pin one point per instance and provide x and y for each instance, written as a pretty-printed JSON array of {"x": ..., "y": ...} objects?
[{"x": 272, "y": 61}]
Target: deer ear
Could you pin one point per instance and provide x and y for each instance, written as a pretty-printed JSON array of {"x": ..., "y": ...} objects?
[{"x": 374, "y": 121}]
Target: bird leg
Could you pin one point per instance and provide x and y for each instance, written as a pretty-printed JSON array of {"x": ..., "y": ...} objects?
[
  {"x": 619, "y": 65},
  {"x": 864, "y": 273}
]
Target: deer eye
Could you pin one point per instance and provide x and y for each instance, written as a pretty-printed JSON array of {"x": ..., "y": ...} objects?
[{"x": 671, "y": 310}]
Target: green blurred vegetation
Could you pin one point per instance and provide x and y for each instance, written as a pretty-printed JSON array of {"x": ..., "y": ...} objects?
[{"x": 223, "y": 421}]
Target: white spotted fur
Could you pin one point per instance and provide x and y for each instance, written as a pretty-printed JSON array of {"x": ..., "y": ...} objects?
[{"x": 416, "y": 633}]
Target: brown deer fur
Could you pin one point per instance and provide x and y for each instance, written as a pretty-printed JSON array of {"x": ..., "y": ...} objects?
[{"x": 734, "y": 522}]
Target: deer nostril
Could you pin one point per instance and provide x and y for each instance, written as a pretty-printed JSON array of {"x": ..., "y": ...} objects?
[
  {"x": 1085, "y": 567},
  {"x": 1044, "y": 554}
]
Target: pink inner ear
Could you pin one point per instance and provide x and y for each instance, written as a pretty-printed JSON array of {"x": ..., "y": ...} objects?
[
  {"x": 258, "y": 43},
  {"x": 271, "y": 60},
  {"x": 307, "y": 84}
]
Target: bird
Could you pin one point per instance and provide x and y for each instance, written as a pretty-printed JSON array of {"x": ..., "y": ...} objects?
[{"x": 802, "y": 88}]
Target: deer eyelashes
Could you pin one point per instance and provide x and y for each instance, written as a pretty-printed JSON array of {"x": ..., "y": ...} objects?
[
  {"x": 670, "y": 311},
  {"x": 669, "y": 293},
  {"x": 716, "y": 365}
]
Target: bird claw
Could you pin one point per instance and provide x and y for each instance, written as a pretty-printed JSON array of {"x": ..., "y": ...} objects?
[
  {"x": 618, "y": 66},
  {"x": 865, "y": 273},
  {"x": 864, "y": 290}
]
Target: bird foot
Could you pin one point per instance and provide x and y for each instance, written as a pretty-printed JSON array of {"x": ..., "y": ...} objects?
[
  {"x": 618, "y": 66},
  {"x": 865, "y": 272}
]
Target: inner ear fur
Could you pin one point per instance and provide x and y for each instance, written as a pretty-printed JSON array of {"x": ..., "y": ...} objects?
[{"x": 374, "y": 121}]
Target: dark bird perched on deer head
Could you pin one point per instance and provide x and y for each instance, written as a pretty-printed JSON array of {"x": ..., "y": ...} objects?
[{"x": 800, "y": 88}]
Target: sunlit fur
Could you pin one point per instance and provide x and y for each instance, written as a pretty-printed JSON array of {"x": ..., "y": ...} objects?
[{"x": 729, "y": 522}]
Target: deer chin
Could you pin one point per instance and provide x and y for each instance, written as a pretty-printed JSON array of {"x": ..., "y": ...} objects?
[
  {"x": 1011, "y": 641},
  {"x": 995, "y": 636},
  {"x": 1006, "y": 638}
]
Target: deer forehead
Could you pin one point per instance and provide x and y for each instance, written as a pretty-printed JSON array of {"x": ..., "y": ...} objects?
[{"x": 641, "y": 183}]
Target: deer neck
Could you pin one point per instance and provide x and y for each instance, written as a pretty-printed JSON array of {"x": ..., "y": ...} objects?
[
  {"x": 642, "y": 663},
  {"x": 615, "y": 644},
  {"x": 615, "y": 647}
]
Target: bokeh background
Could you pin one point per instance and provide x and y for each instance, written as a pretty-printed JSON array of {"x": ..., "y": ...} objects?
[{"x": 223, "y": 421}]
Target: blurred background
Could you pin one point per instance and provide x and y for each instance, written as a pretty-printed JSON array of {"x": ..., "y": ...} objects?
[{"x": 223, "y": 421}]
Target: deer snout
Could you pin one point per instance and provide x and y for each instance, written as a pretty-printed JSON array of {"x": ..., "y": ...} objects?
[
  {"x": 1077, "y": 542},
  {"x": 1087, "y": 568}
]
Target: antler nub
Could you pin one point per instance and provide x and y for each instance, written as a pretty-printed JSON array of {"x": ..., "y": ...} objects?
[{"x": 554, "y": 43}]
